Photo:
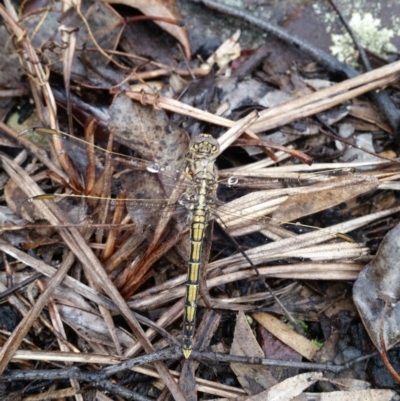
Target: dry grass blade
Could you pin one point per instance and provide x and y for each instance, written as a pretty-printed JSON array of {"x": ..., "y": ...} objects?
[
  {"x": 34, "y": 149},
  {"x": 30, "y": 61},
  {"x": 289, "y": 204},
  {"x": 158, "y": 296},
  {"x": 39, "y": 84},
  {"x": 337, "y": 191},
  {"x": 170, "y": 316},
  {"x": 68, "y": 36},
  {"x": 93, "y": 269},
  {"x": 57, "y": 324},
  {"x": 236, "y": 130},
  {"x": 14, "y": 341},
  {"x": 50, "y": 271}
]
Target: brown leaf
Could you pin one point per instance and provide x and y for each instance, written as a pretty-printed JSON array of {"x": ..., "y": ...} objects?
[
  {"x": 376, "y": 293},
  {"x": 289, "y": 388},
  {"x": 366, "y": 112},
  {"x": 161, "y": 8},
  {"x": 254, "y": 379},
  {"x": 276, "y": 349},
  {"x": 363, "y": 395},
  {"x": 287, "y": 335},
  {"x": 17, "y": 201},
  {"x": 92, "y": 327},
  {"x": 148, "y": 132}
]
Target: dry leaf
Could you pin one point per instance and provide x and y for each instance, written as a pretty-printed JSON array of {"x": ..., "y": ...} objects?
[
  {"x": 363, "y": 395},
  {"x": 92, "y": 327},
  {"x": 287, "y": 335},
  {"x": 161, "y": 8},
  {"x": 254, "y": 379},
  {"x": 366, "y": 112},
  {"x": 349, "y": 384},
  {"x": 228, "y": 51},
  {"x": 376, "y": 294},
  {"x": 289, "y": 388},
  {"x": 148, "y": 132}
]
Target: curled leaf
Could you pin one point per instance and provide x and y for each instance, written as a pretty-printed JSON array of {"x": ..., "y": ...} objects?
[
  {"x": 376, "y": 294},
  {"x": 161, "y": 8}
]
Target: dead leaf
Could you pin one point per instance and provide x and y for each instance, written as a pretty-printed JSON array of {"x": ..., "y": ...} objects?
[
  {"x": 228, "y": 51},
  {"x": 17, "y": 202},
  {"x": 161, "y": 8},
  {"x": 254, "y": 379},
  {"x": 376, "y": 294},
  {"x": 92, "y": 327},
  {"x": 349, "y": 384},
  {"x": 287, "y": 335},
  {"x": 364, "y": 395},
  {"x": 102, "y": 29},
  {"x": 276, "y": 349},
  {"x": 147, "y": 131},
  {"x": 289, "y": 388},
  {"x": 366, "y": 112}
]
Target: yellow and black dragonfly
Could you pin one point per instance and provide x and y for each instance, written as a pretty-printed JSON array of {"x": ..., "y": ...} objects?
[{"x": 172, "y": 182}]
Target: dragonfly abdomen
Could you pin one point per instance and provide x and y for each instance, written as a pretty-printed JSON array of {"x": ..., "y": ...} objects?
[{"x": 197, "y": 230}]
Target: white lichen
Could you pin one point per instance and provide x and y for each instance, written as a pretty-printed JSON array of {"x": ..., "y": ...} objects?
[{"x": 370, "y": 33}]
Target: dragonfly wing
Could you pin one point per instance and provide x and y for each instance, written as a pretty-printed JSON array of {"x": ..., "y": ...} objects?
[{"x": 147, "y": 200}]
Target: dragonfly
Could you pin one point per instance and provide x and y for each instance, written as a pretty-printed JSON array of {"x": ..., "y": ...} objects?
[
  {"x": 202, "y": 173},
  {"x": 198, "y": 199}
]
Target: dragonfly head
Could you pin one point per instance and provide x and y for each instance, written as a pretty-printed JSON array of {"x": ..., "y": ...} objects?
[{"x": 204, "y": 146}]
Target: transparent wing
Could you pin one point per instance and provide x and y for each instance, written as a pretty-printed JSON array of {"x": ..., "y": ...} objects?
[{"x": 148, "y": 187}]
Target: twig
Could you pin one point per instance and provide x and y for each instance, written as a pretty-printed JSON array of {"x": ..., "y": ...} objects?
[
  {"x": 169, "y": 353},
  {"x": 20, "y": 285},
  {"x": 73, "y": 373}
]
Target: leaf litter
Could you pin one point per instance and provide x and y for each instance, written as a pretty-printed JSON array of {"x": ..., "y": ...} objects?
[{"x": 300, "y": 262}]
